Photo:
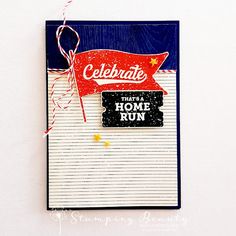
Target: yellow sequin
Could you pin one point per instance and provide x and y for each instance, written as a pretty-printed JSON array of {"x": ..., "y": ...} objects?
[
  {"x": 97, "y": 137},
  {"x": 107, "y": 143}
]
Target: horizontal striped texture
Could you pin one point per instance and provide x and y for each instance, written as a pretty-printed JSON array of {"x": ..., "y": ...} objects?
[{"x": 138, "y": 169}]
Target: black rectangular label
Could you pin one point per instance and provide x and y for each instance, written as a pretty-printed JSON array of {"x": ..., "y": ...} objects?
[{"x": 132, "y": 109}]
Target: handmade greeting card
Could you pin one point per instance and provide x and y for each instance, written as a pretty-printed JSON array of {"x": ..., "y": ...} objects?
[{"x": 113, "y": 114}]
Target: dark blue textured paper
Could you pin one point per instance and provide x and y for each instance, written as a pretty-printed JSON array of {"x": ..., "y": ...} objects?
[{"x": 134, "y": 37}]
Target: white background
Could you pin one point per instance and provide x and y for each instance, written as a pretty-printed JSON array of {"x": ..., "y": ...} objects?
[{"x": 208, "y": 125}]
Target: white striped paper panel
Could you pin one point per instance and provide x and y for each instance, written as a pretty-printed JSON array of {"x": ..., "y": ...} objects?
[{"x": 138, "y": 169}]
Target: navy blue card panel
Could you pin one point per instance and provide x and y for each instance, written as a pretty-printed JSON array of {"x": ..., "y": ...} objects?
[{"x": 134, "y": 37}]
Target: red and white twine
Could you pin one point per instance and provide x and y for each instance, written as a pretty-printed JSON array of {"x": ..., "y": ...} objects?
[
  {"x": 57, "y": 101},
  {"x": 166, "y": 71},
  {"x": 64, "y": 11}
]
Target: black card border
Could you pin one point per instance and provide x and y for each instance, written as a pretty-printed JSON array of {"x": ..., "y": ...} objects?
[{"x": 177, "y": 120}]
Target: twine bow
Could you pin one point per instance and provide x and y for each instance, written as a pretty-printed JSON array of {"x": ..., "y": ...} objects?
[{"x": 57, "y": 101}]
